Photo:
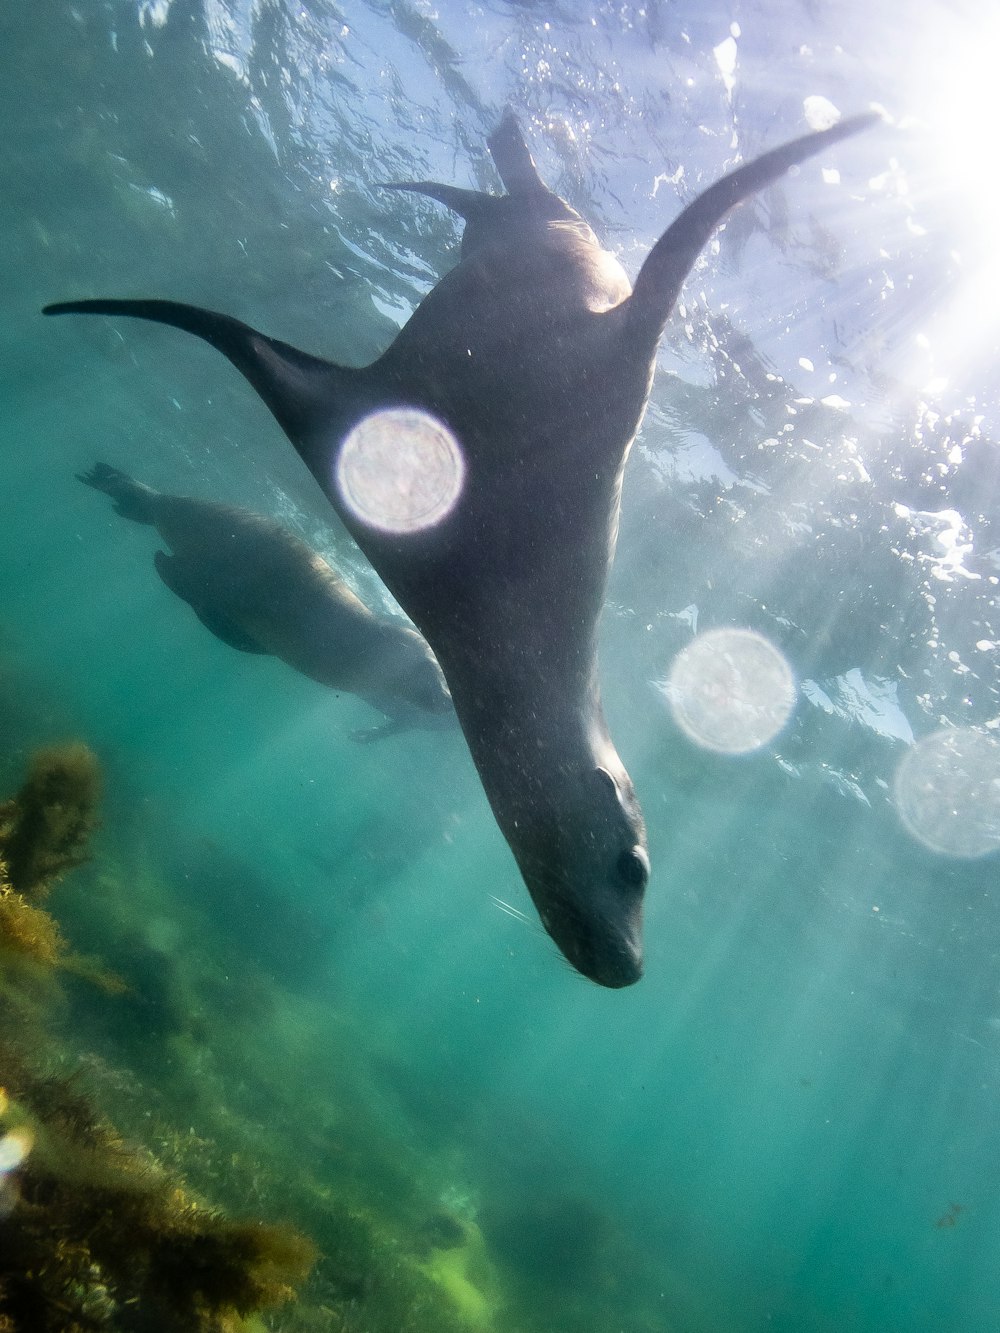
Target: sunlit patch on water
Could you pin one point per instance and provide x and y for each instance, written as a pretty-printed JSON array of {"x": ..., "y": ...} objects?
[
  {"x": 726, "y": 58},
  {"x": 947, "y": 792},
  {"x": 154, "y": 12},
  {"x": 400, "y": 470},
  {"x": 949, "y": 535},
  {"x": 820, "y": 113},
  {"x": 872, "y": 703},
  {"x": 730, "y": 690}
]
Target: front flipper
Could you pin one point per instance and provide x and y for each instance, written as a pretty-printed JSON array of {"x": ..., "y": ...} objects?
[
  {"x": 192, "y": 590},
  {"x": 298, "y": 388},
  {"x": 672, "y": 257}
]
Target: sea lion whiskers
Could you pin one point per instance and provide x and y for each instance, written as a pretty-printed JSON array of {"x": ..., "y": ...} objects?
[{"x": 510, "y": 910}]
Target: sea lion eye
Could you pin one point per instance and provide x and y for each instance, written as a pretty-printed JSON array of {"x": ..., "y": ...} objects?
[{"x": 633, "y": 867}]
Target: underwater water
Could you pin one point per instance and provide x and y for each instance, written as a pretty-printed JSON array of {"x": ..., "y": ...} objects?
[{"x": 341, "y": 1010}]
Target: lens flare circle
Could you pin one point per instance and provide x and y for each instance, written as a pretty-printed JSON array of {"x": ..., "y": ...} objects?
[
  {"x": 400, "y": 470},
  {"x": 14, "y": 1148},
  {"x": 947, "y": 792},
  {"x": 730, "y": 690}
]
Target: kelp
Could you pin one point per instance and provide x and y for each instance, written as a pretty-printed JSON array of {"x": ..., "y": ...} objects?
[
  {"x": 44, "y": 829},
  {"x": 95, "y": 1233},
  {"x": 44, "y": 832},
  {"x": 33, "y": 934},
  {"x": 28, "y": 930},
  {"x": 98, "y": 1235}
]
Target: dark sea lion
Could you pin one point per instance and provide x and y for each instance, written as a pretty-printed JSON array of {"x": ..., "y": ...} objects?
[
  {"x": 536, "y": 353},
  {"x": 261, "y": 589}
]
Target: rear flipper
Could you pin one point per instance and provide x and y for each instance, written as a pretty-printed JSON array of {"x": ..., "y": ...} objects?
[
  {"x": 298, "y": 388},
  {"x": 489, "y": 217},
  {"x": 674, "y": 254},
  {"x": 178, "y": 578},
  {"x": 512, "y": 158},
  {"x": 514, "y": 165},
  {"x": 132, "y": 499}
]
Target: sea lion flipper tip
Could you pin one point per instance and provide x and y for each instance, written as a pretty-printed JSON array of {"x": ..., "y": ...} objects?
[
  {"x": 99, "y": 476},
  {"x": 672, "y": 257},
  {"x": 864, "y": 120},
  {"x": 295, "y": 385}
]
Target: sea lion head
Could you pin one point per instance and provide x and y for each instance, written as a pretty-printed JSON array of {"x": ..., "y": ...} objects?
[
  {"x": 410, "y": 674},
  {"x": 582, "y": 853}
]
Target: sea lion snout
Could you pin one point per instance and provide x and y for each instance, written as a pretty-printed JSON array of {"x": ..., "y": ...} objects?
[
  {"x": 605, "y": 945},
  {"x": 583, "y": 858},
  {"x": 617, "y": 962},
  {"x": 415, "y": 675}
]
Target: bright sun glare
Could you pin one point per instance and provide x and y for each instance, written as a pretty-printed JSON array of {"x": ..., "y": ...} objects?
[{"x": 952, "y": 187}]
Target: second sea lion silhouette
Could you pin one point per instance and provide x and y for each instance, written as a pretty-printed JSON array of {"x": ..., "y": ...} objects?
[
  {"x": 260, "y": 588},
  {"x": 538, "y": 356}
]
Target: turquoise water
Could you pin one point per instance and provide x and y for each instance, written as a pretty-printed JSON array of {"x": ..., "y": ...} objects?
[{"x": 790, "y": 1123}]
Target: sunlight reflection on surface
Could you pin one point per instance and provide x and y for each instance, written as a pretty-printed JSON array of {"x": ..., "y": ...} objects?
[
  {"x": 730, "y": 690},
  {"x": 954, "y": 195},
  {"x": 400, "y": 470},
  {"x": 947, "y": 792}
]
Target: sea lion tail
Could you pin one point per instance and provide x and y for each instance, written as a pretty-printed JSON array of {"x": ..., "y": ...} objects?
[
  {"x": 513, "y": 162},
  {"x": 296, "y": 387},
  {"x": 132, "y": 499},
  {"x": 513, "y": 159},
  {"x": 674, "y": 254}
]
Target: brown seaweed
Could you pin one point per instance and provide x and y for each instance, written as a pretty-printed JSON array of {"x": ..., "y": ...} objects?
[
  {"x": 98, "y": 1235},
  {"x": 44, "y": 829},
  {"x": 94, "y": 1233}
]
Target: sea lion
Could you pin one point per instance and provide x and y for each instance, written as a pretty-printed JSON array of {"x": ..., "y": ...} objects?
[
  {"x": 261, "y": 589},
  {"x": 535, "y": 352}
]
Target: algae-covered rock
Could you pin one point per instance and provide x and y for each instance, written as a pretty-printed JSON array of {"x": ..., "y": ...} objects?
[
  {"x": 459, "y": 1265},
  {"x": 101, "y": 1234},
  {"x": 95, "y": 1234}
]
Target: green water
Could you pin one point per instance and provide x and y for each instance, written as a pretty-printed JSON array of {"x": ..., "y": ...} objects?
[{"x": 791, "y": 1122}]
